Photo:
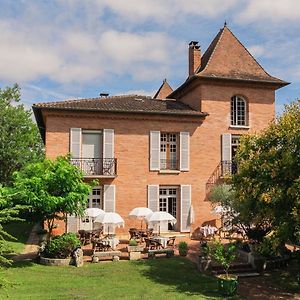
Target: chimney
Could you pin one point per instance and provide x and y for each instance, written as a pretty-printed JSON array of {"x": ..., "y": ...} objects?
[
  {"x": 104, "y": 95},
  {"x": 194, "y": 57}
]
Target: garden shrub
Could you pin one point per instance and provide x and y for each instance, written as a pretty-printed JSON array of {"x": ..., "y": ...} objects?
[
  {"x": 61, "y": 246},
  {"x": 133, "y": 242}
]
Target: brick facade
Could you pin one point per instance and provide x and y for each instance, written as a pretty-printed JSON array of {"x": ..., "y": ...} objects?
[{"x": 132, "y": 136}]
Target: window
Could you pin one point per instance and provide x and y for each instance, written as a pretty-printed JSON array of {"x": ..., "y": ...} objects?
[
  {"x": 168, "y": 151},
  {"x": 95, "y": 198},
  {"x": 239, "y": 115},
  {"x": 168, "y": 201}
]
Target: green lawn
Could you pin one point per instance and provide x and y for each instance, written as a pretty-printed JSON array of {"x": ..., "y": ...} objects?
[
  {"x": 162, "y": 278},
  {"x": 21, "y": 231}
]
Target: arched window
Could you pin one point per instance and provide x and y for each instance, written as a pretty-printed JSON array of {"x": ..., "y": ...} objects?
[{"x": 239, "y": 114}]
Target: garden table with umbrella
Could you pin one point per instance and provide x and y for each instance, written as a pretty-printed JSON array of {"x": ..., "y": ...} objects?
[
  {"x": 111, "y": 220},
  {"x": 140, "y": 213},
  {"x": 160, "y": 217}
]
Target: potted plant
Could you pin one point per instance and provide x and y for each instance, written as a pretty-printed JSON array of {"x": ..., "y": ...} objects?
[
  {"x": 225, "y": 255},
  {"x": 59, "y": 250},
  {"x": 133, "y": 246},
  {"x": 183, "y": 248}
]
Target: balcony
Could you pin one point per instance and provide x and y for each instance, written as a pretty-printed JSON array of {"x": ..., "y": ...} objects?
[
  {"x": 225, "y": 168},
  {"x": 96, "y": 167}
]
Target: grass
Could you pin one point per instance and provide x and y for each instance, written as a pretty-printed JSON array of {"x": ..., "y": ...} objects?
[
  {"x": 21, "y": 231},
  {"x": 174, "y": 278}
]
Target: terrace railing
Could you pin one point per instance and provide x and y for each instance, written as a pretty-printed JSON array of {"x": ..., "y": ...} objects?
[{"x": 96, "y": 166}]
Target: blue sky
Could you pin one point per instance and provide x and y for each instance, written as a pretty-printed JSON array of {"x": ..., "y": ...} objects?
[{"x": 66, "y": 49}]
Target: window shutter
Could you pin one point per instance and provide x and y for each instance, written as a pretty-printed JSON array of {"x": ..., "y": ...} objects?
[
  {"x": 108, "y": 143},
  {"x": 185, "y": 200},
  {"x": 153, "y": 197},
  {"x": 109, "y": 198},
  {"x": 226, "y": 147},
  {"x": 184, "y": 151},
  {"x": 72, "y": 224},
  {"x": 154, "y": 150},
  {"x": 75, "y": 142}
]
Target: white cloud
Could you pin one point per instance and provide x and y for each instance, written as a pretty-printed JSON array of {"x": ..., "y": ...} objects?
[
  {"x": 276, "y": 11},
  {"x": 256, "y": 50}
]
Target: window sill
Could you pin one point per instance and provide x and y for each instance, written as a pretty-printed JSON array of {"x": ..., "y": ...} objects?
[
  {"x": 239, "y": 126},
  {"x": 168, "y": 171}
]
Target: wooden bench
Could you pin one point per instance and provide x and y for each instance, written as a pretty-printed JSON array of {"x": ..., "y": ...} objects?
[
  {"x": 169, "y": 252},
  {"x": 115, "y": 255}
]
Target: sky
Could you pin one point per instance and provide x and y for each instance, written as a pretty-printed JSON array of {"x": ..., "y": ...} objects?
[{"x": 68, "y": 49}]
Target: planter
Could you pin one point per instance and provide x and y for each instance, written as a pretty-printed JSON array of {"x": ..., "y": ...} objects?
[
  {"x": 227, "y": 286},
  {"x": 183, "y": 252},
  {"x": 135, "y": 249},
  {"x": 56, "y": 261}
]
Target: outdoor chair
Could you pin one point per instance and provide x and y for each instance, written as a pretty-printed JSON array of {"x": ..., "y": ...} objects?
[
  {"x": 152, "y": 244},
  {"x": 98, "y": 246},
  {"x": 149, "y": 232},
  {"x": 134, "y": 234},
  {"x": 171, "y": 242},
  {"x": 81, "y": 236}
]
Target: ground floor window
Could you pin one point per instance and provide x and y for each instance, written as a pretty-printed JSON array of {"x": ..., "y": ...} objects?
[{"x": 168, "y": 201}]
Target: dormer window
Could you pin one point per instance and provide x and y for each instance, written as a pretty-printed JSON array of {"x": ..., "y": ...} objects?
[{"x": 239, "y": 113}]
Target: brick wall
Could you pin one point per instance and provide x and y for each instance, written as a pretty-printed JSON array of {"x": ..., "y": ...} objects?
[{"x": 132, "y": 142}]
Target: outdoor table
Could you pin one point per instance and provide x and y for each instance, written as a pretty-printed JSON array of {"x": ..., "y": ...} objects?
[
  {"x": 208, "y": 230},
  {"x": 113, "y": 242},
  {"x": 161, "y": 239}
]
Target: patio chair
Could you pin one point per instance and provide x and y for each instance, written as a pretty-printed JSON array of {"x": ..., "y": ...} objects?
[
  {"x": 99, "y": 246},
  {"x": 171, "y": 242},
  {"x": 81, "y": 236},
  {"x": 149, "y": 232},
  {"x": 152, "y": 244},
  {"x": 134, "y": 234}
]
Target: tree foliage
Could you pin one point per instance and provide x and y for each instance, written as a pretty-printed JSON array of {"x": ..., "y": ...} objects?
[
  {"x": 53, "y": 188},
  {"x": 267, "y": 185},
  {"x": 20, "y": 142}
]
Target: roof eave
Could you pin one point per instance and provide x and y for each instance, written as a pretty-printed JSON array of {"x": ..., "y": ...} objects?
[{"x": 199, "y": 114}]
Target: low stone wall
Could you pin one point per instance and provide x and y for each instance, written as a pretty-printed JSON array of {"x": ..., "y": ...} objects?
[{"x": 56, "y": 261}]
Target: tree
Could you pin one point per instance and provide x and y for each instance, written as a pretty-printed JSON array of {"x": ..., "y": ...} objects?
[
  {"x": 267, "y": 184},
  {"x": 53, "y": 188},
  {"x": 20, "y": 142}
]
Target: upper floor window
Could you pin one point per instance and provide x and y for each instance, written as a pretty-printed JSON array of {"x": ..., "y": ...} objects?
[
  {"x": 168, "y": 151},
  {"x": 239, "y": 114}
]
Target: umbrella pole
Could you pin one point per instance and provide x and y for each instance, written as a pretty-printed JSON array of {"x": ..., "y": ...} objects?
[
  {"x": 141, "y": 224},
  {"x": 159, "y": 229}
]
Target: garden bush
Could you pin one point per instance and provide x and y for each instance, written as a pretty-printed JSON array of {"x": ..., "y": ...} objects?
[{"x": 61, "y": 246}]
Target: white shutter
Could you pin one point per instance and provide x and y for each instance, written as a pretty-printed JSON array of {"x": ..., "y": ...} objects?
[
  {"x": 72, "y": 224},
  {"x": 184, "y": 151},
  {"x": 153, "y": 197},
  {"x": 109, "y": 198},
  {"x": 75, "y": 142},
  {"x": 154, "y": 150},
  {"x": 226, "y": 147},
  {"x": 185, "y": 201},
  {"x": 108, "y": 143}
]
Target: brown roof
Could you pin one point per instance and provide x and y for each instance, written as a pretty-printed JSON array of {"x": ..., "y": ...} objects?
[
  {"x": 164, "y": 91},
  {"x": 226, "y": 57},
  {"x": 133, "y": 104},
  {"x": 123, "y": 104}
]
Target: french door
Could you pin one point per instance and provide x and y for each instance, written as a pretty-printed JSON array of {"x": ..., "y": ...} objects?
[{"x": 168, "y": 203}]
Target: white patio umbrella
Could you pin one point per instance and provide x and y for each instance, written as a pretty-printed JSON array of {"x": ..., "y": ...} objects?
[
  {"x": 159, "y": 217},
  {"x": 93, "y": 212},
  {"x": 140, "y": 213},
  {"x": 111, "y": 219}
]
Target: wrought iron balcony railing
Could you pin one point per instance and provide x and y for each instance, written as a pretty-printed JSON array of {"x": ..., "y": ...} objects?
[
  {"x": 224, "y": 168},
  {"x": 96, "y": 166},
  {"x": 169, "y": 164}
]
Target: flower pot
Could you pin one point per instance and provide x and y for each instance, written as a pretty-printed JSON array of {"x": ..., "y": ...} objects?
[
  {"x": 183, "y": 252},
  {"x": 227, "y": 285}
]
